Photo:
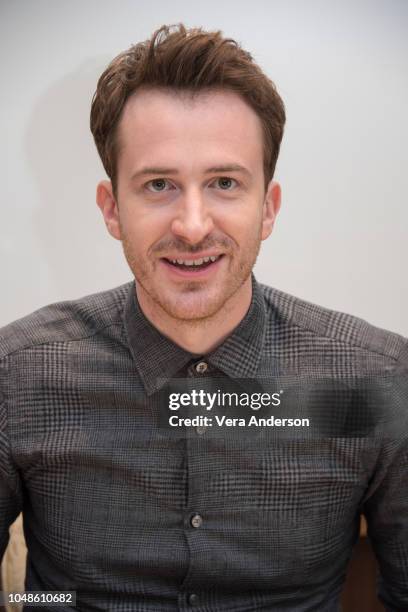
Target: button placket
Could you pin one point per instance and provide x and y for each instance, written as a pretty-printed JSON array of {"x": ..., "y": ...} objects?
[
  {"x": 196, "y": 521},
  {"x": 201, "y": 367},
  {"x": 193, "y": 599}
]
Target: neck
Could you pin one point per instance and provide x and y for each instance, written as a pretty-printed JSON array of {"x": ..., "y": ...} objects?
[{"x": 198, "y": 337}]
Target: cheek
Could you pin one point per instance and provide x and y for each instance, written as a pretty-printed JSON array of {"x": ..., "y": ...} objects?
[
  {"x": 240, "y": 224},
  {"x": 145, "y": 227}
]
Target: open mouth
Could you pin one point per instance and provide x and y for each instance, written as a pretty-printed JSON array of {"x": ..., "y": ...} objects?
[{"x": 193, "y": 265}]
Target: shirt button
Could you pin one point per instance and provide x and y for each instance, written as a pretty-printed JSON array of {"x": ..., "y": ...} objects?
[
  {"x": 200, "y": 429},
  {"x": 201, "y": 367},
  {"x": 196, "y": 520},
  {"x": 193, "y": 599}
]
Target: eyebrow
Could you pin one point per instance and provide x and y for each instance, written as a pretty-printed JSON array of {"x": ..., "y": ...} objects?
[{"x": 163, "y": 170}]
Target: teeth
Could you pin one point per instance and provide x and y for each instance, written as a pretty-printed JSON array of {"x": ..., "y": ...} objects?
[{"x": 194, "y": 262}]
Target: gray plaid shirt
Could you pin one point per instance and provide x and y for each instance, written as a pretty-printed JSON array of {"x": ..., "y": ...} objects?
[{"x": 135, "y": 517}]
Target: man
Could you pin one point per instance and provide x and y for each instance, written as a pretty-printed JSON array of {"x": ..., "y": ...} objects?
[{"x": 135, "y": 509}]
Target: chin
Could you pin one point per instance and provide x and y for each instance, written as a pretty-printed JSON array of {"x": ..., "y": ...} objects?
[
  {"x": 192, "y": 306},
  {"x": 192, "y": 310}
]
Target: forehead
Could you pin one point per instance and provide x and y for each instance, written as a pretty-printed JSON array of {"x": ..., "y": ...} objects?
[{"x": 161, "y": 121}]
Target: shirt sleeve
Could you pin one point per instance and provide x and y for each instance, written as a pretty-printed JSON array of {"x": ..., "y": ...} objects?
[
  {"x": 10, "y": 482},
  {"x": 386, "y": 509}
]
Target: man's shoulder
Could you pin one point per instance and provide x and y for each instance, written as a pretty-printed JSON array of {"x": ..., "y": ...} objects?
[
  {"x": 342, "y": 329},
  {"x": 65, "y": 321}
]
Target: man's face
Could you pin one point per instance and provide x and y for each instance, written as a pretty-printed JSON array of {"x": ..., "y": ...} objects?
[{"x": 190, "y": 188}]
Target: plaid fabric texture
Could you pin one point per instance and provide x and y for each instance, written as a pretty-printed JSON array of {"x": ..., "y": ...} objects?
[{"x": 108, "y": 497}]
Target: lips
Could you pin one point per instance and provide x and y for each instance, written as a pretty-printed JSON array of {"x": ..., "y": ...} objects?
[
  {"x": 192, "y": 267},
  {"x": 193, "y": 264}
]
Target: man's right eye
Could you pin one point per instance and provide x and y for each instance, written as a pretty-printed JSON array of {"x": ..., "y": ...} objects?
[{"x": 157, "y": 185}]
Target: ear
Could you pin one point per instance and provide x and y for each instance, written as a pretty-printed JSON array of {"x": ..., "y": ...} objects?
[
  {"x": 271, "y": 208},
  {"x": 107, "y": 203}
]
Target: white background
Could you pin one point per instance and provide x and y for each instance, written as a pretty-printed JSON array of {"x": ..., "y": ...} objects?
[{"x": 342, "y": 70}]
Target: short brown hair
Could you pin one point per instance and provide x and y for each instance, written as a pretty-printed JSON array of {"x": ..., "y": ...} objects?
[{"x": 185, "y": 60}]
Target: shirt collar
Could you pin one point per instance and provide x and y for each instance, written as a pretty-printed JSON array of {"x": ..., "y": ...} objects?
[{"x": 158, "y": 358}]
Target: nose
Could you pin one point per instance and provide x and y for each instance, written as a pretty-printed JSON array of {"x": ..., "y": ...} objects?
[{"x": 192, "y": 221}]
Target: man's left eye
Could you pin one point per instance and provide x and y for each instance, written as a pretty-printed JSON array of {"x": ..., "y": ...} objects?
[{"x": 225, "y": 183}]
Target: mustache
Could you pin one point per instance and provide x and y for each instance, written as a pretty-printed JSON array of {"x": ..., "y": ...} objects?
[{"x": 176, "y": 244}]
